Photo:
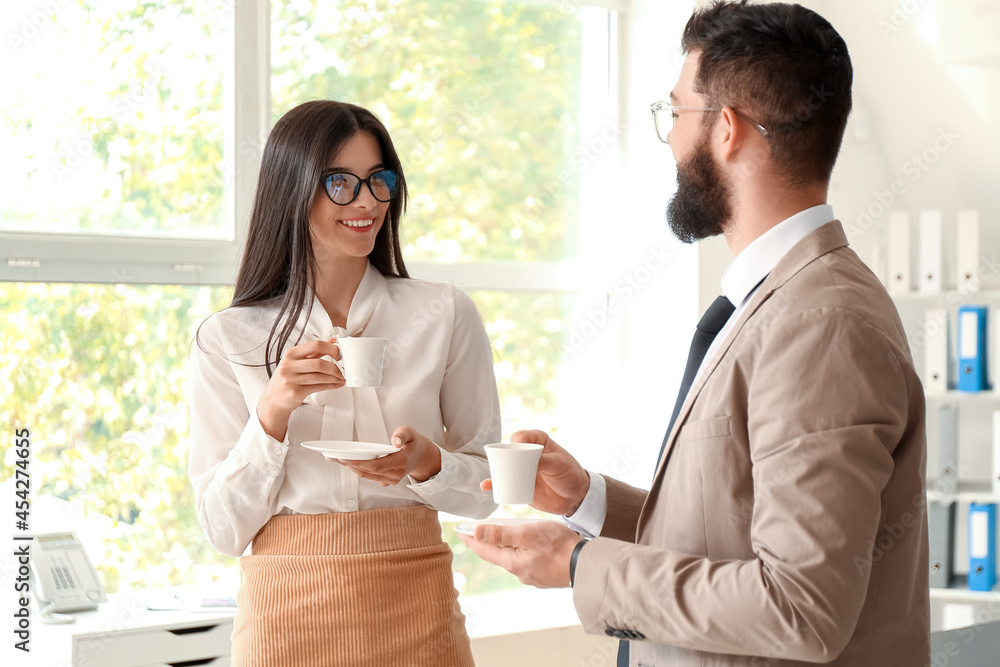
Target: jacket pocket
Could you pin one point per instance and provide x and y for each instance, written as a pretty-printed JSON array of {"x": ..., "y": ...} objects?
[{"x": 713, "y": 427}]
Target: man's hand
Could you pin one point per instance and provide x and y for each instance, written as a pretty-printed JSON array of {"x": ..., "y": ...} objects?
[
  {"x": 561, "y": 483},
  {"x": 418, "y": 457},
  {"x": 538, "y": 554}
]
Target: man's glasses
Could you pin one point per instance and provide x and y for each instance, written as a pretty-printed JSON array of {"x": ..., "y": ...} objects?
[
  {"x": 664, "y": 115},
  {"x": 343, "y": 187}
]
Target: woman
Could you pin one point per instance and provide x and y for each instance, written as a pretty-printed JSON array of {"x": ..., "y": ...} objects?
[{"x": 346, "y": 565}]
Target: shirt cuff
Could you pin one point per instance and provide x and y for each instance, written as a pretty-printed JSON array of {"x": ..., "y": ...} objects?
[
  {"x": 589, "y": 517},
  {"x": 261, "y": 450},
  {"x": 442, "y": 481}
]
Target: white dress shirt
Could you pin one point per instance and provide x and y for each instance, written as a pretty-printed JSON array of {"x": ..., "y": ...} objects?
[
  {"x": 739, "y": 284},
  {"x": 437, "y": 377}
]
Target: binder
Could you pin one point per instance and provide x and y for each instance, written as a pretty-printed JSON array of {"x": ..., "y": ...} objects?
[
  {"x": 930, "y": 252},
  {"x": 941, "y": 542},
  {"x": 967, "y": 259},
  {"x": 899, "y": 252},
  {"x": 982, "y": 546},
  {"x": 996, "y": 453},
  {"x": 936, "y": 351},
  {"x": 972, "y": 345},
  {"x": 947, "y": 461}
]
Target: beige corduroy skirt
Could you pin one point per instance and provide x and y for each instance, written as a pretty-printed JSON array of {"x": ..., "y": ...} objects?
[{"x": 350, "y": 589}]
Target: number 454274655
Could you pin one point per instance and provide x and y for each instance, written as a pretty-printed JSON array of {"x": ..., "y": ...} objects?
[{"x": 22, "y": 475}]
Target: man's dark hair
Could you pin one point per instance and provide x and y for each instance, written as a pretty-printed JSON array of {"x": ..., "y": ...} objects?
[{"x": 784, "y": 66}]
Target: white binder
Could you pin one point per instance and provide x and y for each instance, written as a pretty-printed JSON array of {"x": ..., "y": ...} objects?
[
  {"x": 936, "y": 364},
  {"x": 899, "y": 252},
  {"x": 930, "y": 252},
  {"x": 947, "y": 467},
  {"x": 996, "y": 452},
  {"x": 967, "y": 259}
]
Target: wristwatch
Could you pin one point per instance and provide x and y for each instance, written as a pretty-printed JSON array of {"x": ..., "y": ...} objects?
[{"x": 572, "y": 560}]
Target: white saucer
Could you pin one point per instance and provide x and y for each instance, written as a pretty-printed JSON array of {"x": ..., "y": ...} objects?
[
  {"x": 469, "y": 527},
  {"x": 348, "y": 450}
]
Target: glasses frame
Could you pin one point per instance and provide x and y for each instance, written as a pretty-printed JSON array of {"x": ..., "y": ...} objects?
[
  {"x": 657, "y": 107},
  {"x": 361, "y": 181}
]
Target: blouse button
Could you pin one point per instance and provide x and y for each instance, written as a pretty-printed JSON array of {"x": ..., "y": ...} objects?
[
  {"x": 351, "y": 503},
  {"x": 271, "y": 466},
  {"x": 277, "y": 450}
]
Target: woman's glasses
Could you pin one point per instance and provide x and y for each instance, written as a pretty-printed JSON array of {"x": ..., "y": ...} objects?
[{"x": 343, "y": 187}]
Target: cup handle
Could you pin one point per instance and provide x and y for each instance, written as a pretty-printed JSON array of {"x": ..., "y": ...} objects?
[{"x": 339, "y": 363}]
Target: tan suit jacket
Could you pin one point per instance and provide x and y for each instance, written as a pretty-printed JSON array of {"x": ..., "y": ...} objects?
[{"x": 787, "y": 525}]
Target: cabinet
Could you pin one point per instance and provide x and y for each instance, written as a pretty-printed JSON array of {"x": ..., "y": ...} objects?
[
  {"x": 973, "y": 411},
  {"x": 123, "y": 633}
]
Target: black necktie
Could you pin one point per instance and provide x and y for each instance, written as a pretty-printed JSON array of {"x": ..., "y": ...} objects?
[{"x": 708, "y": 328}]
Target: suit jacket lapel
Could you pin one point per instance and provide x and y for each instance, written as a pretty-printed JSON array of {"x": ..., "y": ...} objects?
[{"x": 827, "y": 238}]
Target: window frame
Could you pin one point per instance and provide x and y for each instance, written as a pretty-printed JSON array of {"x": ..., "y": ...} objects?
[{"x": 109, "y": 258}]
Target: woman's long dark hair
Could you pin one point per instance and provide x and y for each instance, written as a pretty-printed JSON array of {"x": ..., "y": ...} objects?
[{"x": 278, "y": 260}]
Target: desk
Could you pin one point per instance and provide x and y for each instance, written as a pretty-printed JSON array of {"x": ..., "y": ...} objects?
[
  {"x": 123, "y": 633},
  {"x": 975, "y": 646}
]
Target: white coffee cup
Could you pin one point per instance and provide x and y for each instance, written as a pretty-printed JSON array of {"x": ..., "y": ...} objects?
[
  {"x": 361, "y": 360},
  {"x": 513, "y": 466}
]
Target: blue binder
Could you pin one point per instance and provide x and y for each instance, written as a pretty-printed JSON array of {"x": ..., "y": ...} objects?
[
  {"x": 982, "y": 546},
  {"x": 972, "y": 343}
]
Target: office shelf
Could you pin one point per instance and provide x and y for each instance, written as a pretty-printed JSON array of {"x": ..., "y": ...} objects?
[
  {"x": 959, "y": 592},
  {"x": 969, "y": 491},
  {"x": 948, "y": 296},
  {"x": 955, "y": 395}
]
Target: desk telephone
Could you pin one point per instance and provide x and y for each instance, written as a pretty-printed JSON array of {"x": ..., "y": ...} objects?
[{"x": 63, "y": 577}]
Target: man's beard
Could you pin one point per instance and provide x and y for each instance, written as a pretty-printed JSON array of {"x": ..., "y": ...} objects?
[{"x": 701, "y": 206}]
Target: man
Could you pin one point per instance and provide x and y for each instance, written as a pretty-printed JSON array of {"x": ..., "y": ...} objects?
[{"x": 786, "y": 521}]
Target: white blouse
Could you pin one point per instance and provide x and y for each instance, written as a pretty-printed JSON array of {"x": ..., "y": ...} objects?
[{"x": 437, "y": 377}]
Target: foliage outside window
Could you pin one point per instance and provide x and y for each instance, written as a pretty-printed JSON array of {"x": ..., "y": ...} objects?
[
  {"x": 481, "y": 99},
  {"x": 130, "y": 137},
  {"x": 100, "y": 375}
]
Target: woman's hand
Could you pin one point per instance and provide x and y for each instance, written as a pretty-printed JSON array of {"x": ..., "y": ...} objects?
[
  {"x": 561, "y": 483},
  {"x": 417, "y": 457},
  {"x": 301, "y": 371}
]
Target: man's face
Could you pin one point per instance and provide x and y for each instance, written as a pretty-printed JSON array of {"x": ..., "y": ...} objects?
[{"x": 702, "y": 205}]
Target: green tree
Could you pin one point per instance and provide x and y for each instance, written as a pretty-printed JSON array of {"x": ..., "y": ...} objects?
[{"x": 481, "y": 99}]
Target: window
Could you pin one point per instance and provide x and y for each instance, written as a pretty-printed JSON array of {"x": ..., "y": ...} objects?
[
  {"x": 508, "y": 125},
  {"x": 130, "y": 139},
  {"x": 99, "y": 374}
]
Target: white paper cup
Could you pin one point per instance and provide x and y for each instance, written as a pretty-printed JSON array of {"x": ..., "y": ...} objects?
[
  {"x": 513, "y": 467},
  {"x": 361, "y": 360}
]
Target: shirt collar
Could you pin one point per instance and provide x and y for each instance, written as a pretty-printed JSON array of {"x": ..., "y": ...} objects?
[{"x": 750, "y": 267}]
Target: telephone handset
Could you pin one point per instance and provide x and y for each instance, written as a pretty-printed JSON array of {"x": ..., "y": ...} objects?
[{"x": 63, "y": 577}]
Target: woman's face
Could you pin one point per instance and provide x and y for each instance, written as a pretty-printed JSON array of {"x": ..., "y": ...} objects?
[{"x": 341, "y": 232}]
